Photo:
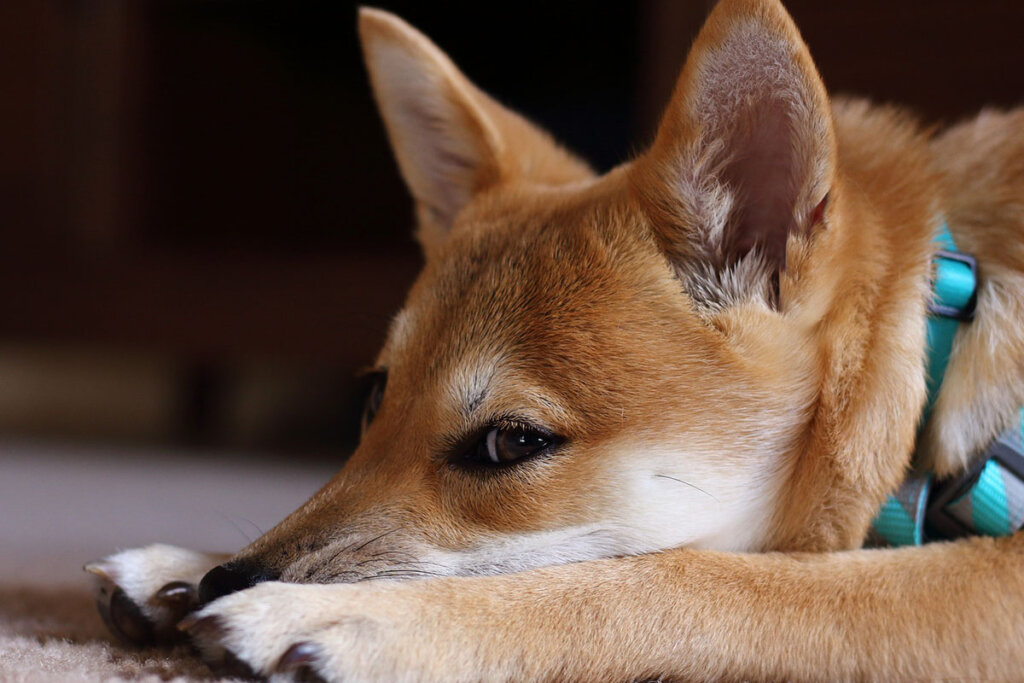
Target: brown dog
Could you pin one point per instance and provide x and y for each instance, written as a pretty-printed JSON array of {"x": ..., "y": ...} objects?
[{"x": 607, "y": 398}]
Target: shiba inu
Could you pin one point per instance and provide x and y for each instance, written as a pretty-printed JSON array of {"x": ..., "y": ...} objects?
[{"x": 638, "y": 425}]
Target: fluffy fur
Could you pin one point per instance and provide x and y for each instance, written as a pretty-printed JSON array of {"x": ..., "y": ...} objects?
[{"x": 728, "y": 336}]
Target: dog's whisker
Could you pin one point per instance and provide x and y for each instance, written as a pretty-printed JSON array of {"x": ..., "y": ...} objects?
[
  {"x": 341, "y": 577},
  {"x": 375, "y": 539},
  {"x": 247, "y": 537},
  {"x": 259, "y": 530},
  {"x": 426, "y": 564},
  {"x": 380, "y": 564},
  {"x": 352, "y": 547},
  {"x": 441, "y": 571},
  {"x": 407, "y": 572},
  {"x": 399, "y": 575},
  {"x": 692, "y": 486},
  {"x": 368, "y": 561}
]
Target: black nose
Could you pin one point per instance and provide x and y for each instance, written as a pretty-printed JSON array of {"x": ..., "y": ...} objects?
[{"x": 230, "y": 577}]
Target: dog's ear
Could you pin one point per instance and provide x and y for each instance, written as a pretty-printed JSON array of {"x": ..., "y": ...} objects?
[
  {"x": 450, "y": 139},
  {"x": 745, "y": 154}
]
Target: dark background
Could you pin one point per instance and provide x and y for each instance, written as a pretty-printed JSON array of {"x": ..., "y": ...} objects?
[{"x": 202, "y": 232}]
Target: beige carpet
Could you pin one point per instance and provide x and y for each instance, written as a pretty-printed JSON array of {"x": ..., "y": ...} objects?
[
  {"x": 53, "y": 634},
  {"x": 62, "y": 506}
]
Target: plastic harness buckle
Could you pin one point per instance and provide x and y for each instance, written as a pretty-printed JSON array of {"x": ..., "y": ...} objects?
[{"x": 940, "y": 305}]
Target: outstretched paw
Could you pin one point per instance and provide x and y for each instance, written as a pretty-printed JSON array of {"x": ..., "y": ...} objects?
[
  {"x": 404, "y": 631},
  {"x": 143, "y": 593},
  {"x": 259, "y": 627}
]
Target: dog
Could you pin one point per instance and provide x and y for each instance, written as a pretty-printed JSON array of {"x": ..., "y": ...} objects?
[{"x": 638, "y": 425}]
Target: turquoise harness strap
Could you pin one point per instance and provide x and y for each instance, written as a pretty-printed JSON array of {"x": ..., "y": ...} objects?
[
  {"x": 901, "y": 521},
  {"x": 954, "y": 290},
  {"x": 990, "y": 499}
]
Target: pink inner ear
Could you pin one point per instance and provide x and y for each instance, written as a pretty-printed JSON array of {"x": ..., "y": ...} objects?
[
  {"x": 763, "y": 174},
  {"x": 818, "y": 215}
]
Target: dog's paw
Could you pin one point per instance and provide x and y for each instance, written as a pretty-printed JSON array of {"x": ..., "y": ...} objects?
[
  {"x": 350, "y": 632},
  {"x": 143, "y": 593}
]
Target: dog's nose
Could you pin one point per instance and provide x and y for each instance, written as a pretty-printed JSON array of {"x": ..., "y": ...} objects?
[{"x": 230, "y": 577}]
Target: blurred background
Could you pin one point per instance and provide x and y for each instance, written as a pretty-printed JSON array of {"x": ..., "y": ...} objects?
[{"x": 203, "y": 234}]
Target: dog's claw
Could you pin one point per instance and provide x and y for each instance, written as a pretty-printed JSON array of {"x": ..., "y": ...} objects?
[
  {"x": 232, "y": 666},
  {"x": 142, "y": 593},
  {"x": 101, "y": 569},
  {"x": 190, "y": 622},
  {"x": 177, "y": 594},
  {"x": 126, "y": 619},
  {"x": 123, "y": 617},
  {"x": 298, "y": 660},
  {"x": 298, "y": 656},
  {"x": 206, "y": 632},
  {"x": 208, "y": 627}
]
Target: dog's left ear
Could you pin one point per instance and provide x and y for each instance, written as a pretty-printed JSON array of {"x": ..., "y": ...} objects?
[
  {"x": 745, "y": 154},
  {"x": 451, "y": 140}
]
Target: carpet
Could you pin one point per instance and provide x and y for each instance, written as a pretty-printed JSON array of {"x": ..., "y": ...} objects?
[{"x": 53, "y": 634}]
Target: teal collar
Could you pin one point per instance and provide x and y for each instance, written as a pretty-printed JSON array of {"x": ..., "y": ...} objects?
[
  {"x": 989, "y": 498},
  {"x": 954, "y": 296}
]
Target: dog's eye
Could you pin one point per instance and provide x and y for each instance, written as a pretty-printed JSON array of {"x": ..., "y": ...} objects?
[
  {"x": 501, "y": 446},
  {"x": 379, "y": 381}
]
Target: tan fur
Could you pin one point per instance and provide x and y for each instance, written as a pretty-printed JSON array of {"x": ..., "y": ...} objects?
[{"x": 728, "y": 334}]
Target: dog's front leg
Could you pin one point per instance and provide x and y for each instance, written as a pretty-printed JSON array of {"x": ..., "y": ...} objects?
[
  {"x": 143, "y": 593},
  {"x": 945, "y": 611}
]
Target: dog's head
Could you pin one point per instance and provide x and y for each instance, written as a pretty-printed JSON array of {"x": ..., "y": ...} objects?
[{"x": 588, "y": 366}]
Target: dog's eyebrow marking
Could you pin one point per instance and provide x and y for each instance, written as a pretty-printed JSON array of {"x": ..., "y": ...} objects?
[
  {"x": 476, "y": 400},
  {"x": 472, "y": 385},
  {"x": 401, "y": 328}
]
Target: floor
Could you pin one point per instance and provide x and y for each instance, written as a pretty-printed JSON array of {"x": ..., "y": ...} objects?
[{"x": 61, "y": 506}]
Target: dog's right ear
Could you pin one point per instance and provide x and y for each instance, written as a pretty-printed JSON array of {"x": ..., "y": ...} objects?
[
  {"x": 450, "y": 139},
  {"x": 744, "y": 158}
]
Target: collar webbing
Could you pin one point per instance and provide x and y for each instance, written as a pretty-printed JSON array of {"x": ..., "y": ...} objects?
[
  {"x": 988, "y": 500},
  {"x": 902, "y": 519},
  {"x": 954, "y": 294}
]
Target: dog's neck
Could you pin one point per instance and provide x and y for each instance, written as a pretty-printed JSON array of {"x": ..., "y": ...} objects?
[
  {"x": 902, "y": 518},
  {"x": 872, "y": 338}
]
